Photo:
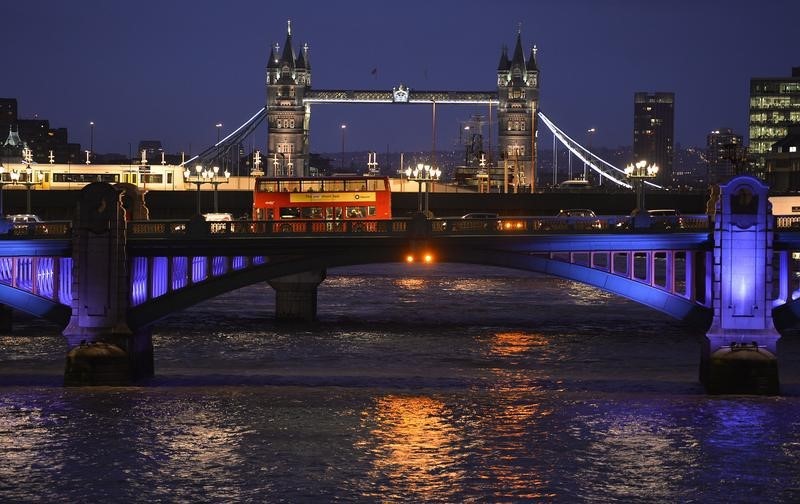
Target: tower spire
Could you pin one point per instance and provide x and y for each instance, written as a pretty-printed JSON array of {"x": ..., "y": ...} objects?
[{"x": 289, "y": 27}]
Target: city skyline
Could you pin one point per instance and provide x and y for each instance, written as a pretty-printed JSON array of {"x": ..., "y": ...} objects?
[{"x": 172, "y": 72}]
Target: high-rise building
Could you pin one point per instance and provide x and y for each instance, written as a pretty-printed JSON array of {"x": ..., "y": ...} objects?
[
  {"x": 654, "y": 132},
  {"x": 774, "y": 107},
  {"x": 782, "y": 163},
  {"x": 724, "y": 155}
]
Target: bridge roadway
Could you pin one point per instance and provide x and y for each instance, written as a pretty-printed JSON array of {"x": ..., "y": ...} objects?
[
  {"x": 213, "y": 258},
  {"x": 113, "y": 279}
]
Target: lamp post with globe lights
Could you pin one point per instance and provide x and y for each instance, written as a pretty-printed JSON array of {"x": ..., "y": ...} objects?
[
  {"x": 30, "y": 180},
  {"x": 638, "y": 174},
  {"x": 427, "y": 174}
]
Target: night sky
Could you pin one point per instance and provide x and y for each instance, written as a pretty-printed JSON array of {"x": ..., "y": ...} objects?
[{"x": 171, "y": 70}]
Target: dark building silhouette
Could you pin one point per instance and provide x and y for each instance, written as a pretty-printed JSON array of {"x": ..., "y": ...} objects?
[
  {"x": 36, "y": 134},
  {"x": 654, "y": 132},
  {"x": 725, "y": 155}
]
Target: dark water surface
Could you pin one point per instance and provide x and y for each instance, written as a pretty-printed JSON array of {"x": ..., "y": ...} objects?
[{"x": 442, "y": 384}]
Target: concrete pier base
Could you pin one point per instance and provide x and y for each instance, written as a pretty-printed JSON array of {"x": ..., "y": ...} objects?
[
  {"x": 741, "y": 365},
  {"x": 296, "y": 296},
  {"x": 116, "y": 359}
]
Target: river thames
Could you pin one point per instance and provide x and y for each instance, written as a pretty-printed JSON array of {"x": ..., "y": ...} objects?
[{"x": 446, "y": 383}]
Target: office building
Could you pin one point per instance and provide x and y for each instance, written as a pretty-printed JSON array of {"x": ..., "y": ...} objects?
[
  {"x": 654, "y": 132},
  {"x": 725, "y": 155},
  {"x": 774, "y": 107}
]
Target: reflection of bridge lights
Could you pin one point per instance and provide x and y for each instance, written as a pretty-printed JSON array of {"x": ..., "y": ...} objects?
[{"x": 414, "y": 447}]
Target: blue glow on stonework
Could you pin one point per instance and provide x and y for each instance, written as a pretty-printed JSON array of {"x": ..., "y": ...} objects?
[
  {"x": 218, "y": 266},
  {"x": 44, "y": 280},
  {"x": 180, "y": 272},
  {"x": 239, "y": 262},
  {"x": 65, "y": 280},
  {"x": 259, "y": 260},
  {"x": 199, "y": 269},
  {"x": 158, "y": 277},
  {"x": 138, "y": 280}
]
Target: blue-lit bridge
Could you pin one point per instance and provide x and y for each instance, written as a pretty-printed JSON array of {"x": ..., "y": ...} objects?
[{"x": 106, "y": 281}]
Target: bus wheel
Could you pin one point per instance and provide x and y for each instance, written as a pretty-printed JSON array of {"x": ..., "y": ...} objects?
[
  {"x": 286, "y": 228},
  {"x": 358, "y": 227}
]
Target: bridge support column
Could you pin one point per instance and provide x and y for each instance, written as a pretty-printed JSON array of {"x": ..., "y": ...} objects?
[
  {"x": 739, "y": 353},
  {"x": 296, "y": 296},
  {"x": 6, "y": 318},
  {"x": 102, "y": 348}
]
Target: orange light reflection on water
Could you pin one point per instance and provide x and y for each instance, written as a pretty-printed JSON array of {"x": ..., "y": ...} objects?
[{"x": 415, "y": 447}]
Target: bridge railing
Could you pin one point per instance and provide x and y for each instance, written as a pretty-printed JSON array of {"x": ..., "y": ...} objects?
[
  {"x": 185, "y": 228},
  {"x": 49, "y": 229},
  {"x": 438, "y": 226}
]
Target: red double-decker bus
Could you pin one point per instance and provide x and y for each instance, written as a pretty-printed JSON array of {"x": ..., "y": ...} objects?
[{"x": 322, "y": 198}]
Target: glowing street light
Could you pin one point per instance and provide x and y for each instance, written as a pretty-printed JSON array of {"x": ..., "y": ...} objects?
[
  {"x": 29, "y": 181},
  {"x": 423, "y": 173},
  {"x": 206, "y": 176},
  {"x": 638, "y": 173}
]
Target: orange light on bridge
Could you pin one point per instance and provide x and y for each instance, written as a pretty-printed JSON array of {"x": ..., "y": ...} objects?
[{"x": 426, "y": 258}]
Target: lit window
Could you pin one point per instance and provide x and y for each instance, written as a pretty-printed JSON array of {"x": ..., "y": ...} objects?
[{"x": 793, "y": 148}]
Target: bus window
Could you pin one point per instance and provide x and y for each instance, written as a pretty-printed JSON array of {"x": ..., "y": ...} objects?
[
  {"x": 333, "y": 213},
  {"x": 312, "y": 186},
  {"x": 334, "y": 185},
  {"x": 356, "y": 185},
  {"x": 290, "y": 186},
  {"x": 259, "y": 214},
  {"x": 290, "y": 212},
  {"x": 267, "y": 186},
  {"x": 311, "y": 212},
  {"x": 355, "y": 212}
]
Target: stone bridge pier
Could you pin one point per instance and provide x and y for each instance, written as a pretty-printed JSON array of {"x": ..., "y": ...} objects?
[
  {"x": 739, "y": 352},
  {"x": 103, "y": 350},
  {"x": 296, "y": 296}
]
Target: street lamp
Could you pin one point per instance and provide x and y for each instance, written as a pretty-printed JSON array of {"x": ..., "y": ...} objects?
[
  {"x": 589, "y": 133},
  {"x": 212, "y": 177},
  {"x": 427, "y": 174},
  {"x": 341, "y": 165},
  {"x": 91, "y": 141},
  {"x": 3, "y": 183},
  {"x": 638, "y": 173},
  {"x": 219, "y": 128},
  {"x": 29, "y": 182},
  {"x": 196, "y": 179}
]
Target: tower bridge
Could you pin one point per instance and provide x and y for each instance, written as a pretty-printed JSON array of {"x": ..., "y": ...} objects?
[{"x": 107, "y": 280}]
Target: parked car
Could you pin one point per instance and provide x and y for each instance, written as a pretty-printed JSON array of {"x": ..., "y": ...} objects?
[
  {"x": 579, "y": 219},
  {"x": 31, "y": 222},
  {"x": 666, "y": 219},
  {"x": 218, "y": 221},
  {"x": 476, "y": 221},
  {"x": 663, "y": 219}
]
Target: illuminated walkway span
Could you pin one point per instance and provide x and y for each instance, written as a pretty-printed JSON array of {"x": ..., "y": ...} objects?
[{"x": 110, "y": 280}]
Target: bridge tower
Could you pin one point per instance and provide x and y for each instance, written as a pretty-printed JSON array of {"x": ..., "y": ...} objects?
[
  {"x": 739, "y": 354},
  {"x": 518, "y": 97},
  {"x": 288, "y": 79}
]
